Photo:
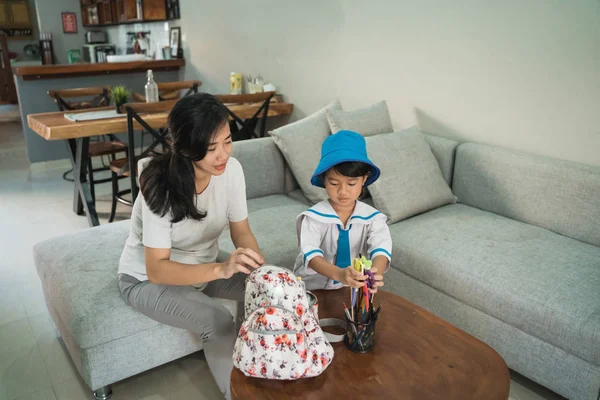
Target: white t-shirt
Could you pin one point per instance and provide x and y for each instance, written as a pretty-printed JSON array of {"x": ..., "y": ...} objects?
[{"x": 190, "y": 241}]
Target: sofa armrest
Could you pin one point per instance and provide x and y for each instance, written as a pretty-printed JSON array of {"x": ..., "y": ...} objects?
[{"x": 264, "y": 166}]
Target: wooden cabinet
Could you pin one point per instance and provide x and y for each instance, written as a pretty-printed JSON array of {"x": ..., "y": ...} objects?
[
  {"x": 105, "y": 12},
  {"x": 19, "y": 11},
  {"x": 15, "y": 19},
  {"x": 114, "y": 12},
  {"x": 155, "y": 10},
  {"x": 90, "y": 15},
  {"x": 127, "y": 10},
  {"x": 4, "y": 17}
]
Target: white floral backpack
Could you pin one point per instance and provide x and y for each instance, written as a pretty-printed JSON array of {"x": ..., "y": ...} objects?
[{"x": 280, "y": 337}]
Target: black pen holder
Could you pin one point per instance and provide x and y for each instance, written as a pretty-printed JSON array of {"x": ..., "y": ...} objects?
[{"x": 360, "y": 337}]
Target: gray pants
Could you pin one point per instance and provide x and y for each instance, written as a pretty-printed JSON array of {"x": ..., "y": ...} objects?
[{"x": 195, "y": 310}]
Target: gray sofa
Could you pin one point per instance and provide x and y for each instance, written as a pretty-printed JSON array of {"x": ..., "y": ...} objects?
[{"x": 516, "y": 263}]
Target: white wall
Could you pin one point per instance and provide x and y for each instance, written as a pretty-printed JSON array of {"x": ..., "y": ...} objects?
[
  {"x": 50, "y": 21},
  {"x": 520, "y": 74}
]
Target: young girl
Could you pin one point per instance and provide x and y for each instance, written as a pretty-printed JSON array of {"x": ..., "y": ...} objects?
[{"x": 335, "y": 231}]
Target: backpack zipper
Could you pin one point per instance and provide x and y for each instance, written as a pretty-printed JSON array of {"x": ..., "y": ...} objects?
[{"x": 280, "y": 332}]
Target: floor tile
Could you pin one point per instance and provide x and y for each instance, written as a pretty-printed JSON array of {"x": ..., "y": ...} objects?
[
  {"x": 22, "y": 373},
  {"x": 73, "y": 389},
  {"x": 56, "y": 357},
  {"x": 190, "y": 377},
  {"x": 32, "y": 297},
  {"x": 11, "y": 307},
  {"x": 46, "y": 394},
  {"x": 149, "y": 383},
  {"x": 16, "y": 338}
]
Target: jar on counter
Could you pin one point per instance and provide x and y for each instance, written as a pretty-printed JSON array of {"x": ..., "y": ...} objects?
[{"x": 235, "y": 83}]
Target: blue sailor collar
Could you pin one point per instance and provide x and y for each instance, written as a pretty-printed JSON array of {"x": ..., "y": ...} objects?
[{"x": 323, "y": 212}]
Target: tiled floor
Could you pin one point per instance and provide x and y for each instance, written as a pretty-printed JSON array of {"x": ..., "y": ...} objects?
[{"x": 35, "y": 204}]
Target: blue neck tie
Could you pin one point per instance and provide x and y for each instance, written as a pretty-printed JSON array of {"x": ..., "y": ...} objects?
[{"x": 342, "y": 258}]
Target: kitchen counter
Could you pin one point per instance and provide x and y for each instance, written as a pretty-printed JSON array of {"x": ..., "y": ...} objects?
[
  {"x": 28, "y": 73},
  {"x": 25, "y": 63}
]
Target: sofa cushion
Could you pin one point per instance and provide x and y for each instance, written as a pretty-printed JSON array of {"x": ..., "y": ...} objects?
[
  {"x": 300, "y": 143},
  {"x": 273, "y": 222},
  {"x": 558, "y": 195},
  {"x": 257, "y": 157},
  {"x": 411, "y": 181},
  {"x": 535, "y": 280},
  {"x": 79, "y": 277},
  {"x": 367, "y": 121},
  {"x": 444, "y": 151},
  {"x": 299, "y": 196}
]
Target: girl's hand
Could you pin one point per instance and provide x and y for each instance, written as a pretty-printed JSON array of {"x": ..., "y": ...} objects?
[
  {"x": 378, "y": 280},
  {"x": 349, "y": 276},
  {"x": 240, "y": 260}
]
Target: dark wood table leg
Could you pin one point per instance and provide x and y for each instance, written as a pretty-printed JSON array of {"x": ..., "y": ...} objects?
[
  {"x": 131, "y": 159},
  {"x": 81, "y": 184},
  {"x": 77, "y": 205}
]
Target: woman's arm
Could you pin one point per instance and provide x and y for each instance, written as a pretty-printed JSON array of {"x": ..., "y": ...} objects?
[
  {"x": 242, "y": 237},
  {"x": 161, "y": 270}
]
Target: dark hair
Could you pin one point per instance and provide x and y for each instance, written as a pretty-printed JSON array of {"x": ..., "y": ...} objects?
[
  {"x": 168, "y": 181},
  {"x": 351, "y": 169}
]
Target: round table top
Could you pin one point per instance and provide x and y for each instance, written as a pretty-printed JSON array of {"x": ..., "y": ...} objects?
[{"x": 416, "y": 356}]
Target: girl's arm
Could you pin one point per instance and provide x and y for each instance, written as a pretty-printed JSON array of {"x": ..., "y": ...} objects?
[
  {"x": 381, "y": 263},
  {"x": 379, "y": 243},
  {"x": 347, "y": 276}
]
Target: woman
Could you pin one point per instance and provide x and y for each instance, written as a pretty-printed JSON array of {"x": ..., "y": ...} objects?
[{"x": 188, "y": 195}]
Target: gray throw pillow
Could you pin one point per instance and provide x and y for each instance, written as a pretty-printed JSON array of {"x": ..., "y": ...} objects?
[
  {"x": 300, "y": 142},
  {"x": 367, "y": 121},
  {"x": 411, "y": 180}
]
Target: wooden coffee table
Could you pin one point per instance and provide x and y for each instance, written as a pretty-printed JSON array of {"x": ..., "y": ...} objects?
[{"x": 416, "y": 356}]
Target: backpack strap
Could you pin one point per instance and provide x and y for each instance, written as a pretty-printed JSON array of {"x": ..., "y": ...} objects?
[{"x": 333, "y": 338}]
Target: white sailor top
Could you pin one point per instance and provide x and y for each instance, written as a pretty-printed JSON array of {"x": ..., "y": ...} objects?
[{"x": 321, "y": 233}]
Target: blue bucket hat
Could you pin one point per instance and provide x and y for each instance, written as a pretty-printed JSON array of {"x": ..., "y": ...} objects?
[{"x": 342, "y": 147}]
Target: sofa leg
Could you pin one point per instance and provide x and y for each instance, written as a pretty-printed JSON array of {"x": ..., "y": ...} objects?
[{"x": 104, "y": 393}]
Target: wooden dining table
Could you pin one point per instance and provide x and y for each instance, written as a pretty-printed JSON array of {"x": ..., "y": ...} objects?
[{"x": 54, "y": 126}]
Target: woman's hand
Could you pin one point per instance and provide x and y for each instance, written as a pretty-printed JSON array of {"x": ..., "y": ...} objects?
[
  {"x": 240, "y": 260},
  {"x": 349, "y": 276},
  {"x": 378, "y": 280}
]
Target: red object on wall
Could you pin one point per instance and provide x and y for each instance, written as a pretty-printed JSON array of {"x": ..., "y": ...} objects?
[{"x": 69, "y": 20}]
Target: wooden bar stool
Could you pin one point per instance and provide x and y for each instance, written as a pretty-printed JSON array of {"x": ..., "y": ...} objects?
[
  {"x": 246, "y": 129},
  {"x": 127, "y": 167},
  {"x": 106, "y": 145}
]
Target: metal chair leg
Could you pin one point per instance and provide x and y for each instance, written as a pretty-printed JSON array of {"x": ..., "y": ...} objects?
[
  {"x": 104, "y": 393},
  {"x": 115, "y": 190},
  {"x": 91, "y": 179}
]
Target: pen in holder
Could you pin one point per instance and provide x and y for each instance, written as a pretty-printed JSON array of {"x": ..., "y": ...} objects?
[
  {"x": 361, "y": 316},
  {"x": 360, "y": 337}
]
